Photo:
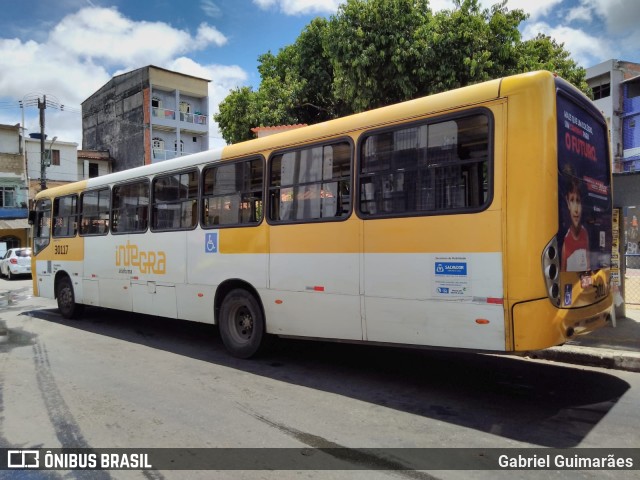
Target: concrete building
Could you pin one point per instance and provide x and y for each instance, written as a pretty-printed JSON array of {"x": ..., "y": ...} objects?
[
  {"x": 147, "y": 115},
  {"x": 606, "y": 80},
  {"x": 631, "y": 124},
  {"x": 14, "y": 192},
  {"x": 93, "y": 164}
]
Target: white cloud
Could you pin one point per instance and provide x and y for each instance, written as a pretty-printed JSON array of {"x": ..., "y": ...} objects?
[
  {"x": 300, "y": 7},
  {"x": 620, "y": 16},
  {"x": 85, "y": 49},
  {"x": 210, "y": 9},
  {"x": 580, "y": 14},
  {"x": 537, "y": 8},
  {"x": 585, "y": 48},
  {"x": 104, "y": 34}
]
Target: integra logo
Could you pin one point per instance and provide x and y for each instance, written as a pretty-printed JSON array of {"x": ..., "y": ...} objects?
[{"x": 147, "y": 261}]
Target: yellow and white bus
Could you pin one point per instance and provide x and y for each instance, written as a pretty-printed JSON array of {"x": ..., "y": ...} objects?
[{"x": 476, "y": 219}]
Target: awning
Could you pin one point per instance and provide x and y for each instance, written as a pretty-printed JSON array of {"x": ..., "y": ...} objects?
[{"x": 14, "y": 224}]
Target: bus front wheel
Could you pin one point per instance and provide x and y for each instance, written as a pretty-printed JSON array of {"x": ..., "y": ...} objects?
[
  {"x": 241, "y": 324},
  {"x": 67, "y": 299}
]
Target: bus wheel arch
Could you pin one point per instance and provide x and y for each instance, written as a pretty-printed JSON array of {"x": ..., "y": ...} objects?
[
  {"x": 240, "y": 317},
  {"x": 66, "y": 297}
]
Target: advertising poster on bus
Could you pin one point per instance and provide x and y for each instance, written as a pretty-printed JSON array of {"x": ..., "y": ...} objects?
[{"x": 584, "y": 196}]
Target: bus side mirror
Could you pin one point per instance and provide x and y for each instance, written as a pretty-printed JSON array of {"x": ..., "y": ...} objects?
[{"x": 32, "y": 217}]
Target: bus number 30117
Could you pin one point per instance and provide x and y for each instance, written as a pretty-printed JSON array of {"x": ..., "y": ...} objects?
[{"x": 61, "y": 249}]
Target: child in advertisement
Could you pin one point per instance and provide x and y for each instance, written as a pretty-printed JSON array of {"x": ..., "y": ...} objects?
[{"x": 575, "y": 248}]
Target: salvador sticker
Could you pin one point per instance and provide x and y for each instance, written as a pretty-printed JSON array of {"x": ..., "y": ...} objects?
[{"x": 451, "y": 277}]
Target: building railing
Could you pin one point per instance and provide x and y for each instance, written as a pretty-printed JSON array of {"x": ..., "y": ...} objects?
[
  {"x": 163, "y": 113},
  {"x": 160, "y": 155},
  {"x": 195, "y": 118}
]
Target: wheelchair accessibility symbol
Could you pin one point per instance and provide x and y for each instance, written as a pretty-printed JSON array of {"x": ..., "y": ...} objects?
[{"x": 211, "y": 243}]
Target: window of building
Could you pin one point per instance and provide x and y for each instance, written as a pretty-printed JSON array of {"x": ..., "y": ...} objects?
[
  {"x": 311, "y": 184},
  {"x": 175, "y": 147},
  {"x": 175, "y": 201},
  {"x": 426, "y": 169},
  {"x": 94, "y": 212},
  {"x": 65, "y": 216},
  {"x": 55, "y": 157},
  {"x": 156, "y": 102},
  {"x": 633, "y": 89},
  {"x": 185, "y": 107},
  {"x": 158, "y": 148},
  {"x": 601, "y": 91},
  {"x": 130, "y": 213},
  {"x": 232, "y": 193},
  {"x": 94, "y": 171},
  {"x": 7, "y": 196}
]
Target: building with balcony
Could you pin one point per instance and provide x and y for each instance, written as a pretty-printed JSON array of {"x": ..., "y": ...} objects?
[
  {"x": 631, "y": 124},
  {"x": 147, "y": 115},
  {"x": 610, "y": 82},
  {"x": 14, "y": 192}
]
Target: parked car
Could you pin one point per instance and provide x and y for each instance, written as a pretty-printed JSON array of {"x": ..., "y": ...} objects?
[{"x": 17, "y": 261}]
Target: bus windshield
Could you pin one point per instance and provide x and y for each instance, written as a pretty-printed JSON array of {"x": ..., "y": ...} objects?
[{"x": 584, "y": 190}]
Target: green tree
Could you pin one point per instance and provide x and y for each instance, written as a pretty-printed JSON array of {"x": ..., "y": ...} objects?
[
  {"x": 468, "y": 45},
  {"x": 544, "y": 53},
  {"x": 237, "y": 115},
  {"x": 377, "y": 52}
]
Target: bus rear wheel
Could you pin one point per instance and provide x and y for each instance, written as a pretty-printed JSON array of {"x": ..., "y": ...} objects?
[
  {"x": 241, "y": 324},
  {"x": 67, "y": 299}
]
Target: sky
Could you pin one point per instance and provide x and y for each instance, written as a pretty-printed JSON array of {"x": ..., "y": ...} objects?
[{"x": 68, "y": 49}]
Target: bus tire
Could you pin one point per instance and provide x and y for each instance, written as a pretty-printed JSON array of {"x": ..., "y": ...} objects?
[
  {"x": 67, "y": 299},
  {"x": 241, "y": 324}
]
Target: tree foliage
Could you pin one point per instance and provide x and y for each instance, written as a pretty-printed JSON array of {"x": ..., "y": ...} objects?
[{"x": 377, "y": 52}]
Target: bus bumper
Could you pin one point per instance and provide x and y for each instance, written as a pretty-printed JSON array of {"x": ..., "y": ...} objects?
[{"x": 538, "y": 324}]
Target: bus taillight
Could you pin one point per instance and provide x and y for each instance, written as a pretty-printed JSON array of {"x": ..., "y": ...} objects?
[{"x": 551, "y": 267}]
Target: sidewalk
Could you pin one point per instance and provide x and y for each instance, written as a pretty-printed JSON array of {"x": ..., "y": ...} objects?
[{"x": 617, "y": 348}]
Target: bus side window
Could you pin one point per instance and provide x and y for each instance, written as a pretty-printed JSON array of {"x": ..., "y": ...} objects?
[
  {"x": 175, "y": 201},
  {"x": 438, "y": 167},
  {"x": 94, "y": 212},
  {"x": 130, "y": 213},
  {"x": 311, "y": 184},
  {"x": 65, "y": 216},
  {"x": 232, "y": 193}
]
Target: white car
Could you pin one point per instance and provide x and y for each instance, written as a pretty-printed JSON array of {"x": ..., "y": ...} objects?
[{"x": 17, "y": 261}]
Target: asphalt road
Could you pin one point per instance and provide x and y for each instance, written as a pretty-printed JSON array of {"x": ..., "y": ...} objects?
[{"x": 119, "y": 380}]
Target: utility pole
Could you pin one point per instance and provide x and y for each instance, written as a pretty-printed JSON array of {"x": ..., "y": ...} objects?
[{"x": 43, "y": 170}]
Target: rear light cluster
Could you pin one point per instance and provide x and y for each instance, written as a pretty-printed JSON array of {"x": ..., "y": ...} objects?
[
  {"x": 13, "y": 261},
  {"x": 551, "y": 269}
]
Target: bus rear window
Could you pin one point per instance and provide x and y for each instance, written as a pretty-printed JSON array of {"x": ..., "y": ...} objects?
[{"x": 584, "y": 187}]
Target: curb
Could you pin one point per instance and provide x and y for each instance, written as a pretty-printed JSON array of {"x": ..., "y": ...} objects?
[{"x": 594, "y": 357}]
